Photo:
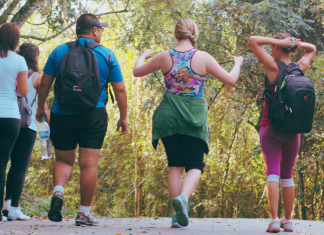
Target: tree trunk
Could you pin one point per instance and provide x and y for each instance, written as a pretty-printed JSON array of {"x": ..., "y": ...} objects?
[
  {"x": 135, "y": 185},
  {"x": 314, "y": 190},
  {"x": 279, "y": 204},
  {"x": 5, "y": 15},
  {"x": 302, "y": 193},
  {"x": 26, "y": 11},
  {"x": 2, "y": 3}
]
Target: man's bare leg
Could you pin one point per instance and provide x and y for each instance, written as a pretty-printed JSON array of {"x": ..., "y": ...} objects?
[
  {"x": 88, "y": 162},
  {"x": 62, "y": 169}
]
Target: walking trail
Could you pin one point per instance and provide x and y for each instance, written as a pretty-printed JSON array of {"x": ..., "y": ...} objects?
[{"x": 141, "y": 226}]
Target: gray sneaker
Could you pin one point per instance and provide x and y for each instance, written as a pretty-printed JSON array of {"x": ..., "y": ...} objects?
[
  {"x": 83, "y": 219},
  {"x": 274, "y": 226},
  {"x": 287, "y": 225},
  {"x": 55, "y": 213}
]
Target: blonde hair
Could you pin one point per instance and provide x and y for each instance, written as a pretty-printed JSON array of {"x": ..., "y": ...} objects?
[{"x": 186, "y": 28}]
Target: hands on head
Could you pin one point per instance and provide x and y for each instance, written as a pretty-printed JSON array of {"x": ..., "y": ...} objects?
[{"x": 288, "y": 43}]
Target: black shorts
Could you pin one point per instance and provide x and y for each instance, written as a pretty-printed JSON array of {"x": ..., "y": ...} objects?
[
  {"x": 87, "y": 129},
  {"x": 185, "y": 151}
]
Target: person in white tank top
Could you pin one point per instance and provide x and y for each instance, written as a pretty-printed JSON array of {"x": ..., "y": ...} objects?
[
  {"x": 24, "y": 144},
  {"x": 13, "y": 79}
]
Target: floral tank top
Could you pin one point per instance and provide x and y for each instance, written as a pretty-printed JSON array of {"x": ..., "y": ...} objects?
[{"x": 181, "y": 79}]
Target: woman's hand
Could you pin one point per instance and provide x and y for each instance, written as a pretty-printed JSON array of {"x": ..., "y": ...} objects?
[
  {"x": 238, "y": 60},
  {"x": 288, "y": 43},
  {"x": 147, "y": 53}
]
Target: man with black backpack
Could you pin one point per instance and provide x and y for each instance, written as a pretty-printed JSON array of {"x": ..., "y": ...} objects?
[{"x": 82, "y": 69}]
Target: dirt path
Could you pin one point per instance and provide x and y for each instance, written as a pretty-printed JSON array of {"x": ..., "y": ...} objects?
[{"x": 140, "y": 226}]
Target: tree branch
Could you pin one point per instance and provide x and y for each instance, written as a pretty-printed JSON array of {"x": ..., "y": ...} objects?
[
  {"x": 112, "y": 12},
  {"x": 257, "y": 128},
  {"x": 176, "y": 13},
  {"x": 26, "y": 11},
  {"x": 67, "y": 27},
  {"x": 5, "y": 15},
  {"x": 50, "y": 37},
  {"x": 2, "y": 3},
  {"x": 37, "y": 23},
  {"x": 192, "y": 5}
]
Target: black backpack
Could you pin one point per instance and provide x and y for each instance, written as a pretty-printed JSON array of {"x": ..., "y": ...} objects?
[
  {"x": 292, "y": 107},
  {"x": 78, "y": 83}
]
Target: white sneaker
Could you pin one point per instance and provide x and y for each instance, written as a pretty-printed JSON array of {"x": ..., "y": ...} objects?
[
  {"x": 287, "y": 225},
  {"x": 4, "y": 219},
  {"x": 17, "y": 215},
  {"x": 274, "y": 226}
]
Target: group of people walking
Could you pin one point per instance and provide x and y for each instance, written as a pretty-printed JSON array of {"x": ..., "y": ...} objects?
[{"x": 180, "y": 120}]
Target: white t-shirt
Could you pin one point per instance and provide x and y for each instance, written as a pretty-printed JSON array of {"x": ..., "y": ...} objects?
[{"x": 10, "y": 67}]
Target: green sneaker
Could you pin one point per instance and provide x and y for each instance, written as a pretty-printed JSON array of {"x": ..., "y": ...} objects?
[
  {"x": 175, "y": 223},
  {"x": 181, "y": 207}
]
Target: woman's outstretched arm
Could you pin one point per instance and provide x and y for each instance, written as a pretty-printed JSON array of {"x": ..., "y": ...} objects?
[
  {"x": 142, "y": 69},
  {"x": 228, "y": 78}
]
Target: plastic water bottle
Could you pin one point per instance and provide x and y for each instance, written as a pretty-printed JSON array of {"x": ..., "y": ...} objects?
[{"x": 44, "y": 137}]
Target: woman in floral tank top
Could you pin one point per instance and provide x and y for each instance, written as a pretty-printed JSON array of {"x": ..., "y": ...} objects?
[
  {"x": 180, "y": 120},
  {"x": 181, "y": 79}
]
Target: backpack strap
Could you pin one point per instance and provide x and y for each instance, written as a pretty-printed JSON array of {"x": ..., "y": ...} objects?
[
  {"x": 30, "y": 73},
  {"x": 295, "y": 67},
  {"x": 34, "y": 100},
  {"x": 267, "y": 92},
  {"x": 281, "y": 64},
  {"x": 266, "y": 87},
  {"x": 109, "y": 89},
  {"x": 93, "y": 45},
  {"x": 55, "y": 58},
  {"x": 73, "y": 44}
]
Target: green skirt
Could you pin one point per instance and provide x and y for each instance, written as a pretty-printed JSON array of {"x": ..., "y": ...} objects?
[{"x": 181, "y": 115}]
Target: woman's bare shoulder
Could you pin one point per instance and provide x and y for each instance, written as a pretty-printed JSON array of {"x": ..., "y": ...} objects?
[
  {"x": 202, "y": 56},
  {"x": 38, "y": 81},
  {"x": 165, "y": 53}
]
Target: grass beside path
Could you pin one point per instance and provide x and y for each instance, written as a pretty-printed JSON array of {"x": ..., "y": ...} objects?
[{"x": 38, "y": 207}]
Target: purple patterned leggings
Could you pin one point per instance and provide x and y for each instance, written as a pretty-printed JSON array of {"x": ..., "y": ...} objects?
[{"x": 279, "y": 150}]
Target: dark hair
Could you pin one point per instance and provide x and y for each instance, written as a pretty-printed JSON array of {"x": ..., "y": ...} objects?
[
  {"x": 9, "y": 38},
  {"x": 30, "y": 52},
  {"x": 85, "y": 19},
  {"x": 283, "y": 36}
]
